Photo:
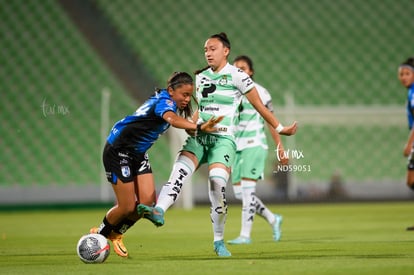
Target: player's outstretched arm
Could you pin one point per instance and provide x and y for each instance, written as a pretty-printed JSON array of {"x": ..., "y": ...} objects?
[
  {"x": 254, "y": 99},
  {"x": 182, "y": 123}
]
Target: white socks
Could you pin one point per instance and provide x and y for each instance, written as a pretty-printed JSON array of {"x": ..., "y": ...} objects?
[
  {"x": 264, "y": 212},
  {"x": 217, "y": 193},
  {"x": 248, "y": 207},
  {"x": 251, "y": 205},
  {"x": 183, "y": 168},
  {"x": 237, "y": 190}
]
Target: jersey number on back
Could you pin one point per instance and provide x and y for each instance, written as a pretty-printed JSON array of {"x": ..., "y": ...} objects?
[{"x": 143, "y": 110}]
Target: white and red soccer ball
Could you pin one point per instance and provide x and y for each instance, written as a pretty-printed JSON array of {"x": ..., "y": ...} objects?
[{"x": 93, "y": 248}]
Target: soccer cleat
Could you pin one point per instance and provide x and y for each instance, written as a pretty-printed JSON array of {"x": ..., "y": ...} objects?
[
  {"x": 410, "y": 228},
  {"x": 221, "y": 249},
  {"x": 240, "y": 240},
  {"x": 118, "y": 244},
  {"x": 277, "y": 231},
  {"x": 154, "y": 214},
  {"x": 116, "y": 240}
]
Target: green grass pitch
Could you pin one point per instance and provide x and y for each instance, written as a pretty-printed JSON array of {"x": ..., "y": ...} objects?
[{"x": 342, "y": 238}]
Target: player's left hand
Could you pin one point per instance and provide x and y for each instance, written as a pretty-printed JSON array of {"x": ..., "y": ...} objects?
[
  {"x": 289, "y": 130},
  {"x": 283, "y": 159},
  {"x": 209, "y": 126}
]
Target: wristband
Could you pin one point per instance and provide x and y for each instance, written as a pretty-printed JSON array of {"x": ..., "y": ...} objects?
[
  {"x": 279, "y": 128},
  {"x": 198, "y": 128}
]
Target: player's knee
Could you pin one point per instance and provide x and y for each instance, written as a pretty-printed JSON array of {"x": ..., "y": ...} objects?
[
  {"x": 237, "y": 189},
  {"x": 127, "y": 209},
  {"x": 218, "y": 177}
]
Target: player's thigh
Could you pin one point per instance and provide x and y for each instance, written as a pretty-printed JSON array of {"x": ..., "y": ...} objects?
[
  {"x": 194, "y": 149},
  {"x": 223, "y": 152},
  {"x": 236, "y": 168},
  {"x": 125, "y": 194}
]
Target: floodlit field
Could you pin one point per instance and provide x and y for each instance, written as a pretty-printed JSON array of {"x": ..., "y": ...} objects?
[{"x": 349, "y": 238}]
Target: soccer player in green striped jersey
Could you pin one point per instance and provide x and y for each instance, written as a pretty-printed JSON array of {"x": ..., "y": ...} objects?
[
  {"x": 219, "y": 89},
  {"x": 250, "y": 159}
]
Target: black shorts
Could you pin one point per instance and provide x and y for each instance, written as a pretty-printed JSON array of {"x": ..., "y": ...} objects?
[{"x": 123, "y": 164}]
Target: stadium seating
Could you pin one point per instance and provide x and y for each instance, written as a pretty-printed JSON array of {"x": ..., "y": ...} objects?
[
  {"x": 335, "y": 53},
  {"x": 51, "y": 83},
  {"x": 321, "y": 53}
]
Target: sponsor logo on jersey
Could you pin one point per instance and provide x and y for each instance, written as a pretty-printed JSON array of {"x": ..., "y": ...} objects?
[
  {"x": 123, "y": 161},
  {"x": 222, "y": 129},
  {"x": 122, "y": 155},
  {"x": 209, "y": 108},
  {"x": 248, "y": 81},
  {"x": 207, "y": 89},
  {"x": 169, "y": 102}
]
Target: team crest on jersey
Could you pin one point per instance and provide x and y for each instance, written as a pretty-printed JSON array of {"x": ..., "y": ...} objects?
[
  {"x": 126, "y": 172},
  {"x": 223, "y": 81}
]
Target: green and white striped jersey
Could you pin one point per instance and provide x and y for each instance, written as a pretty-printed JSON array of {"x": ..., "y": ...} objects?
[
  {"x": 250, "y": 130},
  {"x": 220, "y": 94}
]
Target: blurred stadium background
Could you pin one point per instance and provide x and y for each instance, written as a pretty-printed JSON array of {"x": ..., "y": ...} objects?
[{"x": 71, "y": 68}]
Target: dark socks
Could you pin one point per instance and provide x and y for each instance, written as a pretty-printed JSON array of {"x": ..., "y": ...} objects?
[
  {"x": 105, "y": 228},
  {"x": 123, "y": 226}
]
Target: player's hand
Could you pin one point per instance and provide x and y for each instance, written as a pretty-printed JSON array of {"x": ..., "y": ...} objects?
[
  {"x": 283, "y": 159},
  {"x": 209, "y": 126},
  {"x": 289, "y": 130}
]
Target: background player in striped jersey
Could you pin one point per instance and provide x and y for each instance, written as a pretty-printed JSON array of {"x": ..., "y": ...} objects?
[
  {"x": 250, "y": 159},
  {"x": 125, "y": 154},
  {"x": 219, "y": 87},
  {"x": 406, "y": 77}
]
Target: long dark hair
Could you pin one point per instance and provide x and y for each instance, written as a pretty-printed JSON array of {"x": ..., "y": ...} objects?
[
  {"x": 176, "y": 80},
  {"x": 409, "y": 62},
  {"x": 246, "y": 59},
  {"x": 223, "y": 39}
]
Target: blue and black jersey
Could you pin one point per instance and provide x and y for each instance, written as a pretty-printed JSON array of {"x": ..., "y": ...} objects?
[
  {"x": 139, "y": 131},
  {"x": 410, "y": 106}
]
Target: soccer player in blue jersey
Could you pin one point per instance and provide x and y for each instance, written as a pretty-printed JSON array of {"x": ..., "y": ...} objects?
[
  {"x": 125, "y": 154},
  {"x": 219, "y": 87},
  {"x": 406, "y": 77}
]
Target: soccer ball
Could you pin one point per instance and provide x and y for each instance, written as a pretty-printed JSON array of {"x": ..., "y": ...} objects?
[{"x": 93, "y": 248}]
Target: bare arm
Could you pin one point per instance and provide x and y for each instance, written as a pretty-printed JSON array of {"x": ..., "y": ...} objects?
[
  {"x": 254, "y": 99},
  {"x": 182, "y": 123},
  {"x": 409, "y": 144},
  {"x": 178, "y": 122},
  {"x": 279, "y": 146}
]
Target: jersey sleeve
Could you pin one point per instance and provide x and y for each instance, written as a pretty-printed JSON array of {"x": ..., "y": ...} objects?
[
  {"x": 164, "y": 105},
  {"x": 242, "y": 81},
  {"x": 266, "y": 98}
]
